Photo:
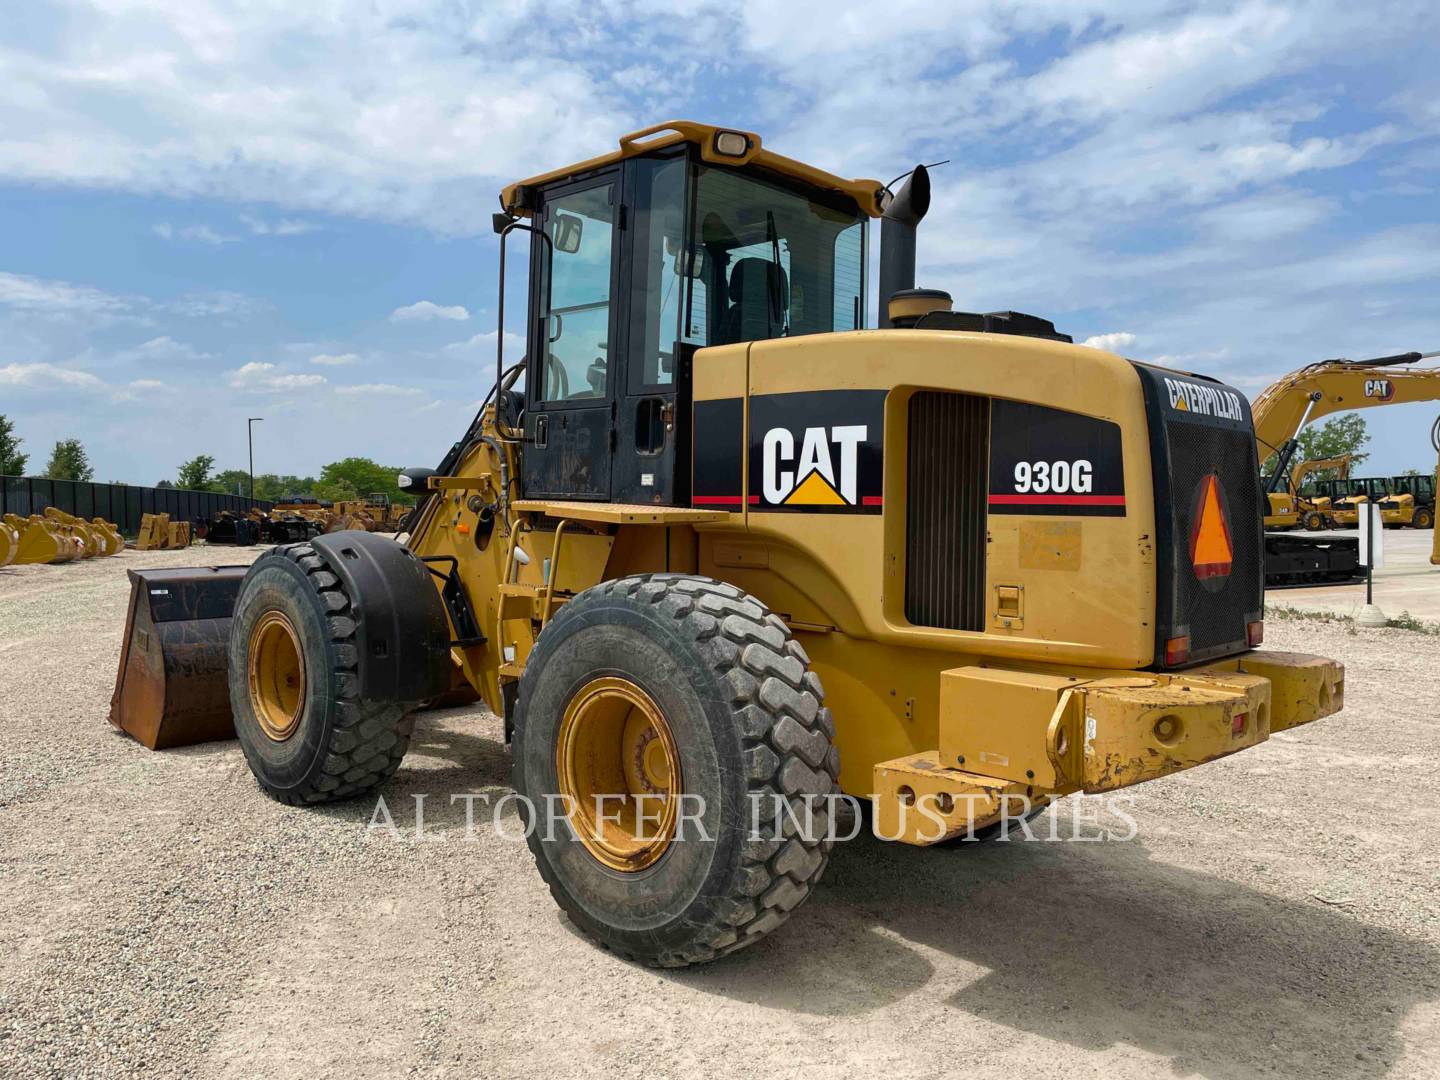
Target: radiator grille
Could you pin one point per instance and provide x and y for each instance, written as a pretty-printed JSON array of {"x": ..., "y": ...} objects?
[{"x": 945, "y": 512}]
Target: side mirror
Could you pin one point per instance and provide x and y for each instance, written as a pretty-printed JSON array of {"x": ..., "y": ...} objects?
[
  {"x": 690, "y": 263},
  {"x": 567, "y": 230}
]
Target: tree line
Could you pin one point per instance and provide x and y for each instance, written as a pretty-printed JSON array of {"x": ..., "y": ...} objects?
[{"x": 349, "y": 478}]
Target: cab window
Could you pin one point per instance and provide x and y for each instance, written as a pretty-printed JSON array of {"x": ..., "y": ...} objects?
[{"x": 575, "y": 295}]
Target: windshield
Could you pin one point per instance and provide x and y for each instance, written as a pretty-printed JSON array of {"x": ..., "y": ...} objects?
[{"x": 769, "y": 262}]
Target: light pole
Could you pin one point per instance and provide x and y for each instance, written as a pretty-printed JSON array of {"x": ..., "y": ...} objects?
[{"x": 250, "y": 433}]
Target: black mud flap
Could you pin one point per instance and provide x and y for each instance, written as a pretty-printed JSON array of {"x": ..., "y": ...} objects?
[{"x": 401, "y": 628}]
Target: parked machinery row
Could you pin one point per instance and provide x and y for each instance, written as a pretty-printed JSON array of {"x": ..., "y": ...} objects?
[{"x": 56, "y": 537}]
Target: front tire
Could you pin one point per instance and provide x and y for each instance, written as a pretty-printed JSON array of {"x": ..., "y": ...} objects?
[
  {"x": 294, "y": 685},
  {"x": 1424, "y": 518},
  {"x": 741, "y": 739}
]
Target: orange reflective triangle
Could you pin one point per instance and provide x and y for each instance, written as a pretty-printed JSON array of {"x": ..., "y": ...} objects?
[
  {"x": 1210, "y": 547},
  {"x": 814, "y": 490}
]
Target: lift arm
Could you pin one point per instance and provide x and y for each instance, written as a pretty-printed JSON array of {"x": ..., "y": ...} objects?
[{"x": 1297, "y": 475}]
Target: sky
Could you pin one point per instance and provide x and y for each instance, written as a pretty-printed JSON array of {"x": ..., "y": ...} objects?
[{"x": 213, "y": 211}]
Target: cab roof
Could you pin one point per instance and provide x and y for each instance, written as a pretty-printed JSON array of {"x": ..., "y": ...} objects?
[{"x": 868, "y": 195}]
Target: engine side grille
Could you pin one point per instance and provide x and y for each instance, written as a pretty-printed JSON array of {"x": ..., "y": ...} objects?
[{"x": 945, "y": 512}]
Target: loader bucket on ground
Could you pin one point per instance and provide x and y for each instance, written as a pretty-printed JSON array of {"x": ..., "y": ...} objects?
[
  {"x": 41, "y": 541},
  {"x": 9, "y": 543},
  {"x": 172, "y": 688},
  {"x": 92, "y": 540},
  {"x": 114, "y": 542}
]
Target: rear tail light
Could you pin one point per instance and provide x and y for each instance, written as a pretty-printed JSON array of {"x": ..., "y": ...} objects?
[
  {"x": 1238, "y": 722},
  {"x": 1255, "y": 633},
  {"x": 1177, "y": 651}
]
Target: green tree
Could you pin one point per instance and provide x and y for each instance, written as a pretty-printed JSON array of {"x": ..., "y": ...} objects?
[
  {"x": 274, "y": 488},
  {"x": 361, "y": 476},
  {"x": 69, "y": 461},
  {"x": 234, "y": 482},
  {"x": 194, "y": 475},
  {"x": 12, "y": 462},
  {"x": 336, "y": 490},
  {"x": 1343, "y": 434}
]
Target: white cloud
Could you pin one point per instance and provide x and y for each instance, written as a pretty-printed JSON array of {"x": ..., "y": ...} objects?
[
  {"x": 282, "y": 227},
  {"x": 48, "y": 376},
  {"x": 264, "y": 377},
  {"x": 201, "y": 234},
  {"x": 379, "y": 389},
  {"x": 161, "y": 350},
  {"x": 427, "y": 311},
  {"x": 335, "y": 359},
  {"x": 1115, "y": 341},
  {"x": 218, "y": 304},
  {"x": 482, "y": 344},
  {"x": 37, "y": 294}
]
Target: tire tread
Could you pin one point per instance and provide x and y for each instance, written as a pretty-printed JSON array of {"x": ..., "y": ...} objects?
[
  {"x": 369, "y": 738},
  {"x": 785, "y": 735}
]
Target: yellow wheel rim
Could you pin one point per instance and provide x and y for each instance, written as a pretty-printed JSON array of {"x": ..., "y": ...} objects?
[
  {"x": 619, "y": 773},
  {"x": 277, "y": 676}
]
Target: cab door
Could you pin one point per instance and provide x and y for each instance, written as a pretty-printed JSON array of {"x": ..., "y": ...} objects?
[{"x": 571, "y": 382}]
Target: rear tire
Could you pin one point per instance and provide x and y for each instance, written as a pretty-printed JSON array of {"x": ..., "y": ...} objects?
[
  {"x": 294, "y": 685},
  {"x": 745, "y": 719},
  {"x": 1314, "y": 521},
  {"x": 1424, "y": 518}
]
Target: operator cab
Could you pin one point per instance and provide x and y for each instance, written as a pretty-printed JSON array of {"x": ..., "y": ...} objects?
[{"x": 694, "y": 237}]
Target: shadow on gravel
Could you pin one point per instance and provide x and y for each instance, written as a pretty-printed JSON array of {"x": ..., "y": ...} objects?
[{"x": 1095, "y": 945}]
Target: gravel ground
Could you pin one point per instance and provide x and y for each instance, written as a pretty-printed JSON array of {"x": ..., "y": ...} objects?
[{"x": 1276, "y": 913}]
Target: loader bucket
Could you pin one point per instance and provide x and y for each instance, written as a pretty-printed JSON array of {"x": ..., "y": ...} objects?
[
  {"x": 114, "y": 542},
  {"x": 41, "y": 541},
  {"x": 172, "y": 688},
  {"x": 9, "y": 543},
  {"x": 92, "y": 542}
]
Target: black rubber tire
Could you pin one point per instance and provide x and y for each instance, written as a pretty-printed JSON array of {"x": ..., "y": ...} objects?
[
  {"x": 1314, "y": 521},
  {"x": 1424, "y": 518},
  {"x": 748, "y": 719},
  {"x": 343, "y": 747}
]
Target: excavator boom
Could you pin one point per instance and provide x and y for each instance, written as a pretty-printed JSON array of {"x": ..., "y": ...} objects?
[{"x": 1332, "y": 386}]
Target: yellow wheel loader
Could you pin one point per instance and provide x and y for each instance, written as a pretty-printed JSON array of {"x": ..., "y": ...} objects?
[
  {"x": 730, "y": 553},
  {"x": 1295, "y": 508},
  {"x": 1410, "y": 503}
]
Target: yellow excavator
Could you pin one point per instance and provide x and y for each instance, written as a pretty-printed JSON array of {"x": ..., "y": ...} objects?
[
  {"x": 730, "y": 554},
  {"x": 1281, "y": 412}
]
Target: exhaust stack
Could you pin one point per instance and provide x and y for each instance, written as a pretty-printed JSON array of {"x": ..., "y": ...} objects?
[{"x": 897, "y": 238}]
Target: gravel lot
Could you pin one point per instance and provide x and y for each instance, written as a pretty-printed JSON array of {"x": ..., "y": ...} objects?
[{"x": 1276, "y": 914}]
